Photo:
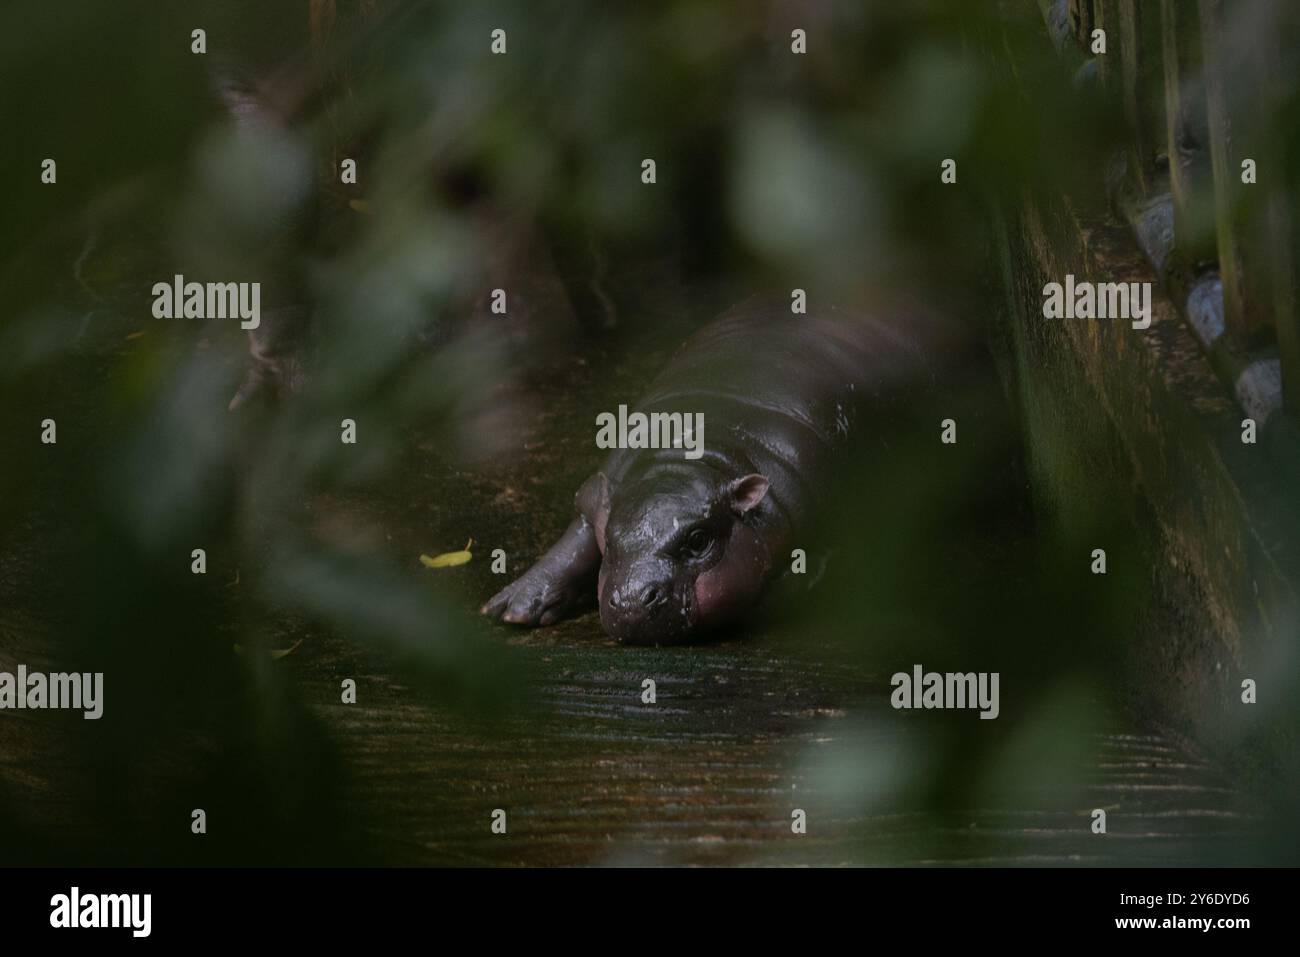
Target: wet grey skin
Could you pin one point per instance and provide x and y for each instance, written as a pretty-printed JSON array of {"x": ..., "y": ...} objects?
[{"x": 675, "y": 548}]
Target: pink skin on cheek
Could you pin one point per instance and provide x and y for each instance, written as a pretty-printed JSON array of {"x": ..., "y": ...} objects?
[
  {"x": 733, "y": 584},
  {"x": 600, "y": 593}
]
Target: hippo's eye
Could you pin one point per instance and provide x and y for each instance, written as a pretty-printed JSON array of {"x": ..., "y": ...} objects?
[{"x": 697, "y": 543}]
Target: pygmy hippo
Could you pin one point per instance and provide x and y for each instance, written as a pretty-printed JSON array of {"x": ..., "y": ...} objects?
[{"x": 678, "y": 544}]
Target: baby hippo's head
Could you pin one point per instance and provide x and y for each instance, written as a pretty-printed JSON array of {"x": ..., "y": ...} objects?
[{"x": 680, "y": 556}]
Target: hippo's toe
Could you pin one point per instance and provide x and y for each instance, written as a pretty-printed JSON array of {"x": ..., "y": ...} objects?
[{"x": 528, "y": 601}]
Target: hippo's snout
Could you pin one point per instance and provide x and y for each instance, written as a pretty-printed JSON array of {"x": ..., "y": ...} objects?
[{"x": 645, "y": 614}]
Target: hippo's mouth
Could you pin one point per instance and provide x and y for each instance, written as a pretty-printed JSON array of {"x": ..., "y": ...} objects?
[{"x": 670, "y": 622}]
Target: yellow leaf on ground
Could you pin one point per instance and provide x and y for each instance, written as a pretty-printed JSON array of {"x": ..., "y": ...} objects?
[{"x": 448, "y": 559}]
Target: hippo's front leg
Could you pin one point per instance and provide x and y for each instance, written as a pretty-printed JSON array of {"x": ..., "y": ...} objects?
[{"x": 561, "y": 580}]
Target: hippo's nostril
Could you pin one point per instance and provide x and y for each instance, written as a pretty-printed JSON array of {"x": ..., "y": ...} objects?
[{"x": 653, "y": 596}]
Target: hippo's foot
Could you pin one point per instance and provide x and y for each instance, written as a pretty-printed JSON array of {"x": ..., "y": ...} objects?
[
  {"x": 562, "y": 581},
  {"x": 272, "y": 381},
  {"x": 276, "y": 357},
  {"x": 535, "y": 598},
  {"x": 253, "y": 385}
]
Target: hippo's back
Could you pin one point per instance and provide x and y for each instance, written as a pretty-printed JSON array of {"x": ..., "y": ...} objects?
[
  {"x": 815, "y": 368},
  {"x": 781, "y": 393}
]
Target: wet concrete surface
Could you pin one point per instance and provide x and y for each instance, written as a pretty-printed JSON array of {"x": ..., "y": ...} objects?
[{"x": 740, "y": 737}]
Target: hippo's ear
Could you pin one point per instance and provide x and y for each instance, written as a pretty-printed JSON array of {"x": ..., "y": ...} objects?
[
  {"x": 746, "y": 492},
  {"x": 593, "y": 504}
]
